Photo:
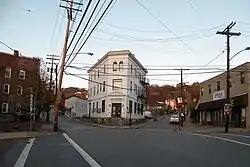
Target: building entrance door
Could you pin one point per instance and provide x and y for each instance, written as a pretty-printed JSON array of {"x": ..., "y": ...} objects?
[{"x": 116, "y": 110}]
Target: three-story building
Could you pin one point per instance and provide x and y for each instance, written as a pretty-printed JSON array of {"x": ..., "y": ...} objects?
[{"x": 117, "y": 86}]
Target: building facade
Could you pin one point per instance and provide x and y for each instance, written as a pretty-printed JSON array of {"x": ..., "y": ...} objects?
[
  {"x": 18, "y": 77},
  {"x": 117, "y": 87},
  {"x": 76, "y": 107},
  {"x": 213, "y": 97}
]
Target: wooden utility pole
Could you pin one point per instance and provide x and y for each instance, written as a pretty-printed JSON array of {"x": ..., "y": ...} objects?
[
  {"x": 69, "y": 8},
  {"x": 227, "y": 32}
]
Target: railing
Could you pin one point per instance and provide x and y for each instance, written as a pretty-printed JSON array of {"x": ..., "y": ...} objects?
[
  {"x": 144, "y": 81},
  {"x": 141, "y": 94}
]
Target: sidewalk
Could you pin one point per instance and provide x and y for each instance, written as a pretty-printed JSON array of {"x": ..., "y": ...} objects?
[
  {"x": 197, "y": 128},
  {"x": 46, "y": 129},
  {"x": 124, "y": 127}
]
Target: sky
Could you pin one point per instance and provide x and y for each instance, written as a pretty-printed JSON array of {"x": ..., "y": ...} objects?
[{"x": 184, "y": 36}]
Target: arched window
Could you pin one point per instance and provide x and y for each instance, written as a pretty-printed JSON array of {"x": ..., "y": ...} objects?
[
  {"x": 120, "y": 65},
  {"x": 115, "y": 66}
]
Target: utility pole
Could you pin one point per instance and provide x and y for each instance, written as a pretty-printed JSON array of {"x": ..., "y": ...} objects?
[
  {"x": 52, "y": 58},
  {"x": 69, "y": 8},
  {"x": 228, "y": 34},
  {"x": 182, "y": 98}
]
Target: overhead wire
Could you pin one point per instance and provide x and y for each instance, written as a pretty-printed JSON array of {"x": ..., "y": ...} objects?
[
  {"x": 83, "y": 31},
  {"x": 91, "y": 32},
  {"x": 164, "y": 25}
]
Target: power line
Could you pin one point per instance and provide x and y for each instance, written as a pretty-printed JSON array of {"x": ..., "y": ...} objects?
[
  {"x": 6, "y": 45},
  {"x": 91, "y": 31},
  {"x": 163, "y": 24},
  {"x": 83, "y": 30},
  {"x": 159, "y": 32}
]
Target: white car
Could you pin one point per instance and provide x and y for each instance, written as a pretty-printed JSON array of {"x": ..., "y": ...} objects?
[
  {"x": 148, "y": 115},
  {"x": 174, "y": 119}
]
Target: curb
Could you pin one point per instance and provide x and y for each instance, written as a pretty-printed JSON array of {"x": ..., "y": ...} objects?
[
  {"x": 23, "y": 135},
  {"x": 122, "y": 127}
]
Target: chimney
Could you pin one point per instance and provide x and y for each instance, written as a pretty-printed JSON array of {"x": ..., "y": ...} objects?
[{"x": 16, "y": 53}]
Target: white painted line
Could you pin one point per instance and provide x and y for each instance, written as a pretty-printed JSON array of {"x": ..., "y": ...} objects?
[
  {"x": 24, "y": 155},
  {"x": 221, "y": 138},
  {"x": 230, "y": 134},
  {"x": 156, "y": 130},
  {"x": 83, "y": 153}
]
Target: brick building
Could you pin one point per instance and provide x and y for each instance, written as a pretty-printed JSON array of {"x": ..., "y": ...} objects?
[{"x": 18, "y": 76}]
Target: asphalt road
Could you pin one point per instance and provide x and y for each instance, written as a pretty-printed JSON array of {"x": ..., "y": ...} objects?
[{"x": 155, "y": 145}]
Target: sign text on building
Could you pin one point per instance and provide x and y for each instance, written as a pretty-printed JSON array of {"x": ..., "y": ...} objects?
[{"x": 219, "y": 95}]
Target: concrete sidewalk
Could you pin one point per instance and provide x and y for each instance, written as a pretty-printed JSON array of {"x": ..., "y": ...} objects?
[
  {"x": 46, "y": 129},
  {"x": 124, "y": 127}
]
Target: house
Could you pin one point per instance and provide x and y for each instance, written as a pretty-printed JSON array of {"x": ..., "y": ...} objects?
[
  {"x": 76, "y": 107},
  {"x": 213, "y": 97},
  {"x": 19, "y": 77},
  {"x": 117, "y": 87}
]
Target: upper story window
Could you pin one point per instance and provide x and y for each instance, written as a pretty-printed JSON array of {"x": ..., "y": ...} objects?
[
  {"x": 100, "y": 87},
  {"x": 8, "y": 72},
  {"x": 104, "y": 68},
  {"x": 131, "y": 68},
  {"x": 103, "y": 86},
  {"x": 95, "y": 76},
  {"x": 19, "y": 90},
  {"x": 94, "y": 90},
  {"x": 98, "y": 73},
  {"x": 209, "y": 88},
  {"x": 120, "y": 65},
  {"x": 115, "y": 66},
  {"x": 135, "y": 88},
  {"x": 97, "y": 89},
  {"x": 22, "y": 74},
  {"x": 218, "y": 85},
  {"x": 202, "y": 91},
  {"x": 6, "y": 88},
  {"x": 242, "y": 78},
  {"x": 130, "y": 86},
  {"x": 90, "y": 92},
  {"x": 117, "y": 84},
  {"x": 5, "y": 107}
]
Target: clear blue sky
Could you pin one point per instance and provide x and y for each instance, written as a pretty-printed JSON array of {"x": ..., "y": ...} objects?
[{"x": 31, "y": 33}]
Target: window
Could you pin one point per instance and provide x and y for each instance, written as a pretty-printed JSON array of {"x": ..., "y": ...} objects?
[
  {"x": 100, "y": 87},
  {"x": 22, "y": 74},
  {"x": 135, "y": 88},
  {"x": 130, "y": 86},
  {"x": 90, "y": 77},
  {"x": 117, "y": 84},
  {"x": 209, "y": 88},
  {"x": 202, "y": 91},
  {"x": 115, "y": 66},
  {"x": 6, "y": 88},
  {"x": 103, "y": 105},
  {"x": 94, "y": 90},
  {"x": 230, "y": 82},
  {"x": 242, "y": 78},
  {"x": 131, "y": 68},
  {"x": 135, "y": 107},
  {"x": 95, "y": 76},
  {"x": 19, "y": 90},
  {"x": 103, "y": 87},
  {"x": 218, "y": 85},
  {"x": 97, "y": 89},
  {"x": 98, "y": 73},
  {"x": 91, "y": 92},
  {"x": 5, "y": 107},
  {"x": 104, "y": 68},
  {"x": 8, "y": 72},
  {"x": 93, "y": 108},
  {"x": 97, "y": 106},
  {"x": 130, "y": 106},
  {"x": 138, "y": 108},
  {"x": 120, "y": 65}
]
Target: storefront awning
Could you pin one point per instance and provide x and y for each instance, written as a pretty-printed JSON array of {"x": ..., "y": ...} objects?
[{"x": 219, "y": 104}]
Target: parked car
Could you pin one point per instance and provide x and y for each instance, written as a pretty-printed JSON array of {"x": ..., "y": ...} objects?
[
  {"x": 148, "y": 115},
  {"x": 174, "y": 119}
]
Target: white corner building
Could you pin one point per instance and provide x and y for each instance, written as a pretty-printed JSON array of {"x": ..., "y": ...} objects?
[{"x": 117, "y": 87}]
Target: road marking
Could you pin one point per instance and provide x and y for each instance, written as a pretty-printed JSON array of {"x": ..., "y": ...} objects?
[
  {"x": 156, "y": 130},
  {"x": 83, "y": 153},
  {"x": 24, "y": 155},
  {"x": 221, "y": 138},
  {"x": 230, "y": 134}
]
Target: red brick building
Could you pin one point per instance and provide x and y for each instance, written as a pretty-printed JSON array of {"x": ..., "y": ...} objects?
[{"x": 19, "y": 76}]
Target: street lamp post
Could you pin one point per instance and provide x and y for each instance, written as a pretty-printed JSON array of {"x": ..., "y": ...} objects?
[{"x": 227, "y": 106}]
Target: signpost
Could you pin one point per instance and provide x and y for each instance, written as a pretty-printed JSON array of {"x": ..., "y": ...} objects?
[{"x": 31, "y": 109}]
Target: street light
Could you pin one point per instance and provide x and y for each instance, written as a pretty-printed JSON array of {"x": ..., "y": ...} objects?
[
  {"x": 247, "y": 48},
  {"x": 86, "y": 53}
]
